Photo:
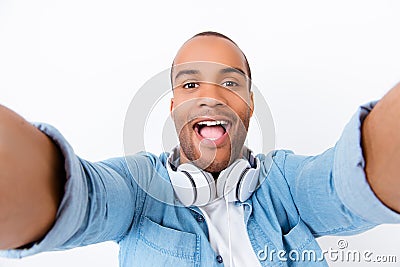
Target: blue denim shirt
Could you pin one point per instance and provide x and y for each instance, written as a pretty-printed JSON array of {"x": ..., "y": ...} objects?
[{"x": 301, "y": 198}]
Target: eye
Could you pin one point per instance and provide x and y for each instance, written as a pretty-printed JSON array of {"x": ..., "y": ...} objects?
[
  {"x": 190, "y": 85},
  {"x": 229, "y": 84}
]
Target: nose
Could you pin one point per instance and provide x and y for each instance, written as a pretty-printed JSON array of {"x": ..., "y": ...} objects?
[{"x": 211, "y": 95}]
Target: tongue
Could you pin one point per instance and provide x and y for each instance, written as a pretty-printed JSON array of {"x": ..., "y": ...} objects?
[{"x": 212, "y": 132}]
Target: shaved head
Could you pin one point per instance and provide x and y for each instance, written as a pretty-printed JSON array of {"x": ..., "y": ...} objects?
[{"x": 219, "y": 35}]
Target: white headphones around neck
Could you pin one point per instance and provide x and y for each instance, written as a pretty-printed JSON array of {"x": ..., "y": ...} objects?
[{"x": 194, "y": 186}]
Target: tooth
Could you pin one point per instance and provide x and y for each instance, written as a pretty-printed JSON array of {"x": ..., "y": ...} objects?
[{"x": 212, "y": 123}]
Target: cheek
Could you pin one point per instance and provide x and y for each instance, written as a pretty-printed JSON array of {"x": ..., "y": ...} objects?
[
  {"x": 242, "y": 110},
  {"x": 182, "y": 127},
  {"x": 240, "y": 103}
]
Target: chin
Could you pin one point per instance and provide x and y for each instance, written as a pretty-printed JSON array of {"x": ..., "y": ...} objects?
[
  {"x": 216, "y": 167},
  {"x": 215, "y": 160},
  {"x": 208, "y": 158}
]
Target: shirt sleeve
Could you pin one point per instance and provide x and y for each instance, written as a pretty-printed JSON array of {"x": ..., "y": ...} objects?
[
  {"x": 330, "y": 190},
  {"x": 98, "y": 202},
  {"x": 350, "y": 179}
]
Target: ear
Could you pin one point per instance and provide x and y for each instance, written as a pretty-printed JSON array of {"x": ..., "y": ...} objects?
[
  {"x": 171, "y": 107},
  {"x": 251, "y": 103}
]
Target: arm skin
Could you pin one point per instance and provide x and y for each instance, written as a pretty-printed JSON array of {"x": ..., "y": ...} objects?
[
  {"x": 31, "y": 181},
  {"x": 381, "y": 148}
]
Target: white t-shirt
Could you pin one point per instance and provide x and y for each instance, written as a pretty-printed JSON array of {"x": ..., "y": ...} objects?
[{"x": 224, "y": 224}]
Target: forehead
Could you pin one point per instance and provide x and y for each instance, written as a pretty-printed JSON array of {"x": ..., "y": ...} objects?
[{"x": 210, "y": 49}]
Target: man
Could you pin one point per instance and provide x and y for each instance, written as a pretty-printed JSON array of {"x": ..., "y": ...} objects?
[{"x": 348, "y": 189}]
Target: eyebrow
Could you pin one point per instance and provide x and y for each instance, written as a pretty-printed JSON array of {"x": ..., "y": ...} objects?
[
  {"x": 186, "y": 72},
  {"x": 235, "y": 70},
  {"x": 222, "y": 71}
]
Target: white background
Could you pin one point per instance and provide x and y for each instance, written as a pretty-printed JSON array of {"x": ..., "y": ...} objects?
[{"x": 77, "y": 64}]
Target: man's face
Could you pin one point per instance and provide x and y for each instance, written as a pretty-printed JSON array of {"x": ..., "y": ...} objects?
[{"x": 212, "y": 103}]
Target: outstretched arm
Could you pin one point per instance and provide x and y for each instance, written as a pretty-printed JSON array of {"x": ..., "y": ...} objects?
[
  {"x": 381, "y": 148},
  {"x": 31, "y": 181}
]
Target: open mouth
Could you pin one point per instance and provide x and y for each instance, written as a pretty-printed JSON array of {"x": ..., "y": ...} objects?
[{"x": 211, "y": 129}]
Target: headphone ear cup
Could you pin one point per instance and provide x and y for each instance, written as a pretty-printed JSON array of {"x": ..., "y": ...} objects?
[
  {"x": 203, "y": 184},
  {"x": 183, "y": 186},
  {"x": 229, "y": 180},
  {"x": 249, "y": 182}
]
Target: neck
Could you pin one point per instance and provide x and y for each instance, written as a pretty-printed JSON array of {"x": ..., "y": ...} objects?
[
  {"x": 215, "y": 175},
  {"x": 183, "y": 159}
]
